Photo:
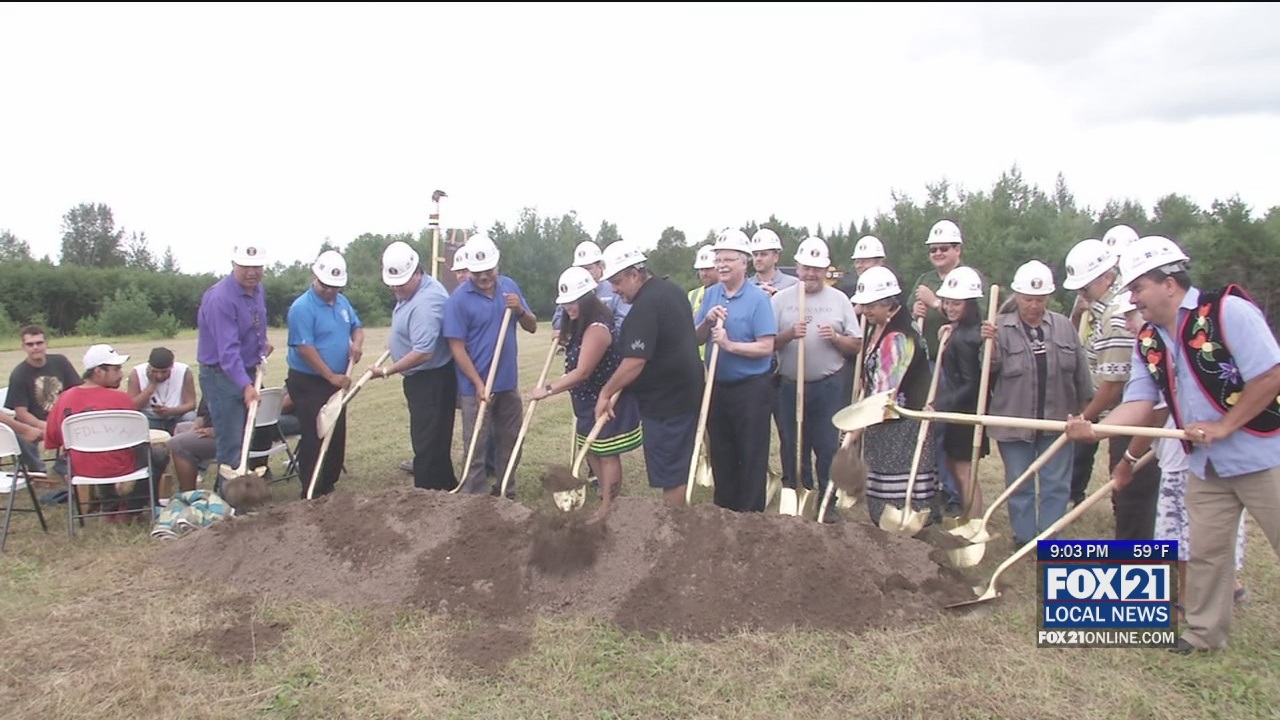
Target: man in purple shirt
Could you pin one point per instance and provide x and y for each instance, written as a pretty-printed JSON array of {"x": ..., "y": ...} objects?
[{"x": 231, "y": 341}]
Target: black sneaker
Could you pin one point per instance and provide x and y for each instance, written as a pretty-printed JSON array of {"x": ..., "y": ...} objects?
[{"x": 1183, "y": 647}]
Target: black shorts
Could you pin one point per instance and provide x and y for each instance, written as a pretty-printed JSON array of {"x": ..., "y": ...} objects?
[{"x": 668, "y": 449}]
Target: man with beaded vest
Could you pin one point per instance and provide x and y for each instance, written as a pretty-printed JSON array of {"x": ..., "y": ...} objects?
[{"x": 1212, "y": 358}]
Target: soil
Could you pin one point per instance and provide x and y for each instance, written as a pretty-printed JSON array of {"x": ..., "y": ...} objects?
[{"x": 496, "y": 565}]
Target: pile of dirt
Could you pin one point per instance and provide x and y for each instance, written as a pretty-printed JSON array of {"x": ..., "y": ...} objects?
[{"x": 695, "y": 572}]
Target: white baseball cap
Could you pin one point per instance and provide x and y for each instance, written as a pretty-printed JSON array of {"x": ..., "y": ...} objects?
[
  {"x": 399, "y": 261},
  {"x": 574, "y": 283},
  {"x": 619, "y": 256},
  {"x": 98, "y": 355},
  {"x": 1033, "y": 278},
  {"x": 331, "y": 269},
  {"x": 482, "y": 253},
  {"x": 813, "y": 252},
  {"x": 587, "y": 253},
  {"x": 876, "y": 283},
  {"x": 963, "y": 283},
  {"x": 249, "y": 255},
  {"x": 705, "y": 259}
]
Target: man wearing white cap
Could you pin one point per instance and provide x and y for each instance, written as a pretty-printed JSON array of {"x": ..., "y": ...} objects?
[
  {"x": 831, "y": 337},
  {"x": 1039, "y": 372},
  {"x": 472, "y": 323},
  {"x": 867, "y": 253},
  {"x": 659, "y": 364},
  {"x": 420, "y": 352},
  {"x": 744, "y": 397},
  {"x": 766, "y": 249},
  {"x": 587, "y": 255},
  {"x": 705, "y": 264},
  {"x": 1093, "y": 274},
  {"x": 1212, "y": 358},
  {"x": 231, "y": 342},
  {"x": 103, "y": 373},
  {"x": 325, "y": 336}
]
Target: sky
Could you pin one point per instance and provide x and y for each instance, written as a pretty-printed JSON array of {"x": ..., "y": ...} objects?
[{"x": 207, "y": 125}]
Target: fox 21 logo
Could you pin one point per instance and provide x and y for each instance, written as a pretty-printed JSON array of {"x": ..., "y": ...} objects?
[{"x": 1118, "y": 583}]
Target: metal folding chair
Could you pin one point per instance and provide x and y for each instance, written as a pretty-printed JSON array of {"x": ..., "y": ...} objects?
[
  {"x": 11, "y": 483},
  {"x": 103, "y": 431}
]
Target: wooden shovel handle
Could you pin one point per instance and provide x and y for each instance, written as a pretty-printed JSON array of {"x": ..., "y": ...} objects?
[
  {"x": 250, "y": 419},
  {"x": 984, "y": 386},
  {"x": 924, "y": 426},
  {"x": 488, "y": 386},
  {"x": 799, "y": 439},
  {"x": 528, "y": 418},
  {"x": 591, "y": 436},
  {"x": 702, "y": 417}
]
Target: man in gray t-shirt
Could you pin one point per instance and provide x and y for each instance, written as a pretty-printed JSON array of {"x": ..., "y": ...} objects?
[{"x": 831, "y": 338}]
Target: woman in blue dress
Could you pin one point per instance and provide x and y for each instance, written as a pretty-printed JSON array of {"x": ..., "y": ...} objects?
[{"x": 590, "y": 359}]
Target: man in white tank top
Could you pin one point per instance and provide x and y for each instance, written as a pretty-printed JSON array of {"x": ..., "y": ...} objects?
[{"x": 163, "y": 390}]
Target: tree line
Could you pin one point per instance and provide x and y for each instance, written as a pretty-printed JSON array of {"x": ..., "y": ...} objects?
[{"x": 109, "y": 282}]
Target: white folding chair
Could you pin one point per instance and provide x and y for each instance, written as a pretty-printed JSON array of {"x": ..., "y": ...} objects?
[
  {"x": 270, "y": 405},
  {"x": 4, "y": 395},
  {"x": 11, "y": 483},
  {"x": 102, "y": 431}
]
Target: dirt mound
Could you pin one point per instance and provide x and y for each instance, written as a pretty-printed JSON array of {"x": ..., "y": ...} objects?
[{"x": 700, "y": 571}]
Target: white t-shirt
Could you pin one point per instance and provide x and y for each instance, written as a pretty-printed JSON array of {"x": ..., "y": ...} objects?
[
  {"x": 828, "y": 306},
  {"x": 1169, "y": 453},
  {"x": 169, "y": 392}
]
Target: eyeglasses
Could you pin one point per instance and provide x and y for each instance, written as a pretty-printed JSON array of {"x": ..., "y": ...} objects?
[{"x": 938, "y": 249}]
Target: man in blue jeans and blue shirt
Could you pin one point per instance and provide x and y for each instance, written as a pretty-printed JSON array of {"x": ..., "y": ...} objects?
[{"x": 231, "y": 342}]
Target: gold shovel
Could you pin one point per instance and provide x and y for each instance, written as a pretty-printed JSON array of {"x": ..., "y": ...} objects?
[
  {"x": 568, "y": 487},
  {"x": 908, "y": 521},
  {"x": 984, "y": 385},
  {"x": 847, "y": 468},
  {"x": 528, "y": 418},
  {"x": 702, "y": 418},
  {"x": 790, "y": 503},
  {"x": 331, "y": 415},
  {"x": 484, "y": 404},
  {"x": 992, "y": 590}
]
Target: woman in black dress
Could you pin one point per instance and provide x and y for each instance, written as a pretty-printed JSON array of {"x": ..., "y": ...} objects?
[{"x": 962, "y": 369}]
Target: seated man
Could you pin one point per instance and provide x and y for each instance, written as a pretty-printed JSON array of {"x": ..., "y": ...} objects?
[
  {"x": 104, "y": 370},
  {"x": 163, "y": 390},
  {"x": 193, "y": 447},
  {"x": 34, "y": 385}
]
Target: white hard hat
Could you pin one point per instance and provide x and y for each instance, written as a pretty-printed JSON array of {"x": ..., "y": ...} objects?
[
  {"x": 1119, "y": 237},
  {"x": 1124, "y": 302},
  {"x": 876, "y": 283},
  {"x": 1033, "y": 278},
  {"x": 331, "y": 269},
  {"x": 249, "y": 255},
  {"x": 587, "y": 253},
  {"x": 620, "y": 255},
  {"x": 812, "y": 252},
  {"x": 765, "y": 239},
  {"x": 1086, "y": 262},
  {"x": 705, "y": 259},
  {"x": 574, "y": 283},
  {"x": 399, "y": 261},
  {"x": 944, "y": 231},
  {"x": 868, "y": 247},
  {"x": 733, "y": 239},
  {"x": 460, "y": 259},
  {"x": 482, "y": 253},
  {"x": 1151, "y": 253},
  {"x": 963, "y": 283}
]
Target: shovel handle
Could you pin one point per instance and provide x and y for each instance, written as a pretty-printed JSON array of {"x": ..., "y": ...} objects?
[
  {"x": 591, "y": 437},
  {"x": 799, "y": 439},
  {"x": 250, "y": 419},
  {"x": 984, "y": 386},
  {"x": 1032, "y": 469},
  {"x": 924, "y": 428},
  {"x": 1042, "y": 425},
  {"x": 528, "y": 418},
  {"x": 702, "y": 417},
  {"x": 484, "y": 404}
]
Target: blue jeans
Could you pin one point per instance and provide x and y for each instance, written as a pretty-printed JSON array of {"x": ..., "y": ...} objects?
[
  {"x": 227, "y": 413},
  {"x": 819, "y": 437},
  {"x": 1055, "y": 486},
  {"x": 169, "y": 423}
]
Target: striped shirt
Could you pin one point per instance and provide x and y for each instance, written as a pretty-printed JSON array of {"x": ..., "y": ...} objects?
[{"x": 1109, "y": 347}]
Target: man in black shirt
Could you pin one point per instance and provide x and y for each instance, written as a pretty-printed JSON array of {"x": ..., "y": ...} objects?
[
  {"x": 34, "y": 385},
  {"x": 659, "y": 364}
]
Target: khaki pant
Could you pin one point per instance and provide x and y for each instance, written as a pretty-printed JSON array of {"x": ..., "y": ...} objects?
[{"x": 1213, "y": 510}]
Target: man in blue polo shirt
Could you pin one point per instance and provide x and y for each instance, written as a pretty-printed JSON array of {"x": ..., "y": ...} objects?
[
  {"x": 325, "y": 337},
  {"x": 742, "y": 399},
  {"x": 472, "y": 320},
  {"x": 231, "y": 341}
]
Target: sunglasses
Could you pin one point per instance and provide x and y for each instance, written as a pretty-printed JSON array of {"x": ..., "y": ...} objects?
[{"x": 939, "y": 249}]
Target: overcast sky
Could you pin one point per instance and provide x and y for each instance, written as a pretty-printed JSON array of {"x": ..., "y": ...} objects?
[{"x": 204, "y": 124}]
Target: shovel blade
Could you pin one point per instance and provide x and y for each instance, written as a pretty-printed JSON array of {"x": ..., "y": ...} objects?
[
  {"x": 966, "y": 557},
  {"x": 787, "y": 504},
  {"x": 771, "y": 488},
  {"x": 869, "y": 411},
  {"x": 991, "y": 594},
  {"x": 902, "y": 521},
  {"x": 329, "y": 414},
  {"x": 570, "y": 500},
  {"x": 844, "y": 501}
]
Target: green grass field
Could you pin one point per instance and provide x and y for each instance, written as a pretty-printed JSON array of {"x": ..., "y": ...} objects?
[{"x": 91, "y": 628}]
